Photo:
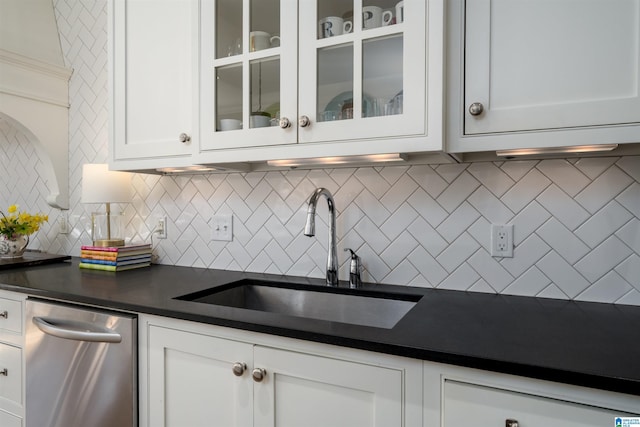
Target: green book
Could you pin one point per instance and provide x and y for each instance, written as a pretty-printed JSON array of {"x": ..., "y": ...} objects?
[{"x": 112, "y": 267}]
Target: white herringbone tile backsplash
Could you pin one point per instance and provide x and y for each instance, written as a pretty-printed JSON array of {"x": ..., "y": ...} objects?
[{"x": 577, "y": 222}]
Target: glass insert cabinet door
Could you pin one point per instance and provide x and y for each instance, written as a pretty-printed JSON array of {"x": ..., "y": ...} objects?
[
  {"x": 362, "y": 69},
  {"x": 289, "y": 71},
  {"x": 249, "y": 73}
]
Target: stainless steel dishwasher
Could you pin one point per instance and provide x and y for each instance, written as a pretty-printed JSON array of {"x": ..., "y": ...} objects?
[{"x": 81, "y": 366}]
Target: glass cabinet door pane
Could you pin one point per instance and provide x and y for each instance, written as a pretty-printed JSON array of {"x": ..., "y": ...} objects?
[
  {"x": 335, "y": 83},
  {"x": 382, "y": 81},
  {"x": 265, "y": 25},
  {"x": 265, "y": 92},
  {"x": 228, "y": 28},
  {"x": 229, "y": 97}
]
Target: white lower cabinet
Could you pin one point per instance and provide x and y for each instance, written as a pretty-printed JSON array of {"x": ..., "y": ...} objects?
[
  {"x": 10, "y": 373},
  {"x": 194, "y": 375},
  {"x": 11, "y": 359},
  {"x": 459, "y": 396},
  {"x": 243, "y": 379},
  {"x": 191, "y": 381},
  {"x": 11, "y": 390},
  {"x": 306, "y": 390},
  {"x": 488, "y": 406}
]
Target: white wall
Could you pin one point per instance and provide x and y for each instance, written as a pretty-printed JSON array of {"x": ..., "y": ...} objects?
[{"x": 577, "y": 222}]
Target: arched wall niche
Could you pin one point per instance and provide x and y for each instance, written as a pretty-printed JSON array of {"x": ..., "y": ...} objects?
[{"x": 34, "y": 98}]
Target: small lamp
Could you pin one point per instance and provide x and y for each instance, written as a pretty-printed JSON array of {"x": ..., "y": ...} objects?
[{"x": 100, "y": 185}]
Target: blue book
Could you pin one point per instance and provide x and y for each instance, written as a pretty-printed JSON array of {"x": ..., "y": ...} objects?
[{"x": 137, "y": 260}]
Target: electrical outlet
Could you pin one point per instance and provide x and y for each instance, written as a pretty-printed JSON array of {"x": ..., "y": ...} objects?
[
  {"x": 222, "y": 228},
  {"x": 63, "y": 224},
  {"x": 502, "y": 241},
  {"x": 161, "y": 228}
]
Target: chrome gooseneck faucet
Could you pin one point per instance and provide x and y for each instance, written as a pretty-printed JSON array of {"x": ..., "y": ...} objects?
[{"x": 310, "y": 230}]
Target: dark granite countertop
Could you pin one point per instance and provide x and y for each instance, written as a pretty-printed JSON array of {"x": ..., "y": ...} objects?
[{"x": 589, "y": 344}]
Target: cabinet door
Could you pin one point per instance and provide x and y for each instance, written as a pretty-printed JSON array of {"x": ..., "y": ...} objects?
[
  {"x": 154, "y": 77},
  {"x": 488, "y": 406},
  {"x": 10, "y": 317},
  {"x": 191, "y": 382},
  {"x": 362, "y": 69},
  {"x": 8, "y": 420},
  {"x": 249, "y": 72},
  {"x": 551, "y": 64},
  {"x": 306, "y": 390},
  {"x": 10, "y": 376}
]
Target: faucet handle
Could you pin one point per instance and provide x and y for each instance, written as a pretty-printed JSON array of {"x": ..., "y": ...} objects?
[{"x": 355, "y": 267}]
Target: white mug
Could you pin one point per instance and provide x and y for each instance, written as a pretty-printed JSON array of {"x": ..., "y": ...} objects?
[
  {"x": 374, "y": 17},
  {"x": 230, "y": 124},
  {"x": 333, "y": 26},
  {"x": 259, "y": 121},
  {"x": 259, "y": 40},
  {"x": 400, "y": 12}
]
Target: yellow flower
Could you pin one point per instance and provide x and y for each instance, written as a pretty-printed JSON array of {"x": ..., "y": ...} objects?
[{"x": 20, "y": 223}]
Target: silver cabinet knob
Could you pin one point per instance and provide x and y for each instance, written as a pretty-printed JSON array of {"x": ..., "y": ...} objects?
[
  {"x": 184, "y": 137},
  {"x": 258, "y": 374},
  {"x": 511, "y": 423},
  {"x": 4, "y": 314},
  {"x": 284, "y": 123},
  {"x": 304, "y": 121},
  {"x": 476, "y": 108},
  {"x": 4, "y": 372},
  {"x": 238, "y": 369}
]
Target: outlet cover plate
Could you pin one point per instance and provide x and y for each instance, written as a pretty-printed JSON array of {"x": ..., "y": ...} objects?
[
  {"x": 502, "y": 241},
  {"x": 222, "y": 228},
  {"x": 162, "y": 227}
]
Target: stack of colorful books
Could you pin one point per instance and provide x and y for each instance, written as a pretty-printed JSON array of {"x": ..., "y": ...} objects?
[{"x": 115, "y": 258}]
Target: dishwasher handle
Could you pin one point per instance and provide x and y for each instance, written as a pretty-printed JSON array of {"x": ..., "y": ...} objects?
[{"x": 78, "y": 331}]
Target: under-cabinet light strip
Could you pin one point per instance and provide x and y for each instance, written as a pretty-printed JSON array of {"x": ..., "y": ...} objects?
[
  {"x": 319, "y": 161},
  {"x": 556, "y": 150}
]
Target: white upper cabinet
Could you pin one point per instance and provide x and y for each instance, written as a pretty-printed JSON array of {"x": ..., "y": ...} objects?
[
  {"x": 542, "y": 73},
  {"x": 291, "y": 78},
  {"x": 153, "y": 82},
  {"x": 368, "y": 82},
  {"x": 249, "y": 72}
]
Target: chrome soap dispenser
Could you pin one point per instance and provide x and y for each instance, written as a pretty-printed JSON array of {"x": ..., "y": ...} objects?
[{"x": 354, "y": 270}]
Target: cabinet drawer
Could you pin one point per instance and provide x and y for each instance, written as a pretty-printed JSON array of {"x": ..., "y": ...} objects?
[
  {"x": 8, "y": 420},
  {"x": 11, "y": 379},
  {"x": 10, "y": 316},
  {"x": 489, "y": 407}
]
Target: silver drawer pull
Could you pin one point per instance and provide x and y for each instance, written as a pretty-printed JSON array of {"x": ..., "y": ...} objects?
[
  {"x": 4, "y": 372},
  {"x": 511, "y": 423},
  {"x": 4, "y": 314}
]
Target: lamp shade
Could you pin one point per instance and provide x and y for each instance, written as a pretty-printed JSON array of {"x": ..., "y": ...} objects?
[{"x": 100, "y": 185}]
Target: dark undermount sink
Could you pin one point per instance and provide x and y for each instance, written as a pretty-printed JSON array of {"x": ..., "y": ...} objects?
[{"x": 353, "y": 306}]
